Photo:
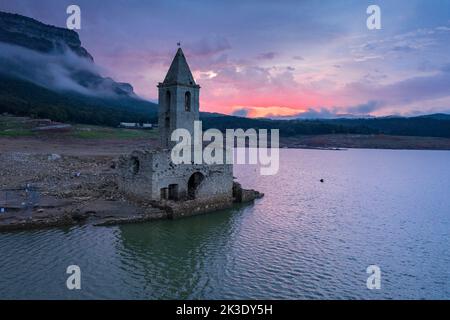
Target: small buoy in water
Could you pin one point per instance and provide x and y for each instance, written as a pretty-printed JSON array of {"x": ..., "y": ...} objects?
[{"x": 321, "y": 180}]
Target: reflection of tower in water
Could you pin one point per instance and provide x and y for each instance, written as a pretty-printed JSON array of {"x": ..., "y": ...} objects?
[{"x": 177, "y": 259}]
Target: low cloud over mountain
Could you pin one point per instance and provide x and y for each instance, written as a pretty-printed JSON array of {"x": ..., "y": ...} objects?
[{"x": 53, "y": 58}]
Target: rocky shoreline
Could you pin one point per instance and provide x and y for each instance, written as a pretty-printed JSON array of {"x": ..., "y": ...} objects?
[{"x": 52, "y": 190}]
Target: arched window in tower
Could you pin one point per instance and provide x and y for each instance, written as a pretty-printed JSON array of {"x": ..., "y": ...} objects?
[
  {"x": 167, "y": 111},
  {"x": 168, "y": 100},
  {"x": 187, "y": 101}
]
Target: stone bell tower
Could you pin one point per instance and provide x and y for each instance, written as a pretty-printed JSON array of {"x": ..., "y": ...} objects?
[{"x": 178, "y": 100}]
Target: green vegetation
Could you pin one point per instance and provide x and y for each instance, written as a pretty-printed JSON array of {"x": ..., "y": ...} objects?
[
  {"x": 13, "y": 127},
  {"x": 20, "y": 127},
  {"x": 425, "y": 126},
  {"x": 16, "y": 133},
  {"x": 95, "y": 132},
  {"x": 24, "y": 98}
]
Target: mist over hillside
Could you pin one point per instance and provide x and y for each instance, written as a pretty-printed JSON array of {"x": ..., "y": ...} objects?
[{"x": 45, "y": 72}]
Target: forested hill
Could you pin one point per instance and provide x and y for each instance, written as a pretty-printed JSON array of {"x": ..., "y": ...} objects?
[
  {"x": 74, "y": 91},
  {"x": 435, "y": 125},
  {"x": 24, "y": 98},
  {"x": 45, "y": 72}
]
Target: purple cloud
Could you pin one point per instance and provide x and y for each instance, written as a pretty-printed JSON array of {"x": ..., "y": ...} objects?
[
  {"x": 208, "y": 46},
  {"x": 266, "y": 56}
]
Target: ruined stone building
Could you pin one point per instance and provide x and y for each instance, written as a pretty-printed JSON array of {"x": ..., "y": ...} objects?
[{"x": 150, "y": 175}]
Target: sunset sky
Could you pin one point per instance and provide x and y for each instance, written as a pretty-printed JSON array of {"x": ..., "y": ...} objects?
[{"x": 273, "y": 58}]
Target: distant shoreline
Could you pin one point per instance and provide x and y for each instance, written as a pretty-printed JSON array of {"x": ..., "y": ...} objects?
[
  {"x": 20, "y": 134},
  {"x": 358, "y": 141},
  {"x": 113, "y": 146}
]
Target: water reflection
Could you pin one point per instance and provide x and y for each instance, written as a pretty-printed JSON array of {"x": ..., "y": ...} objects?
[
  {"x": 174, "y": 259},
  {"x": 304, "y": 239}
]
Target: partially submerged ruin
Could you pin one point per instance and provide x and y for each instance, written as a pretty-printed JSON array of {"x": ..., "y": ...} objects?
[
  {"x": 182, "y": 189},
  {"x": 48, "y": 190}
]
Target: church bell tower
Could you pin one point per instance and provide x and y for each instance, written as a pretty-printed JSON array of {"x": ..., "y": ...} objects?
[{"x": 178, "y": 100}]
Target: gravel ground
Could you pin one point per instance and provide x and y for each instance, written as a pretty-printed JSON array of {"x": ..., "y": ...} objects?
[
  {"x": 74, "y": 181},
  {"x": 61, "y": 176}
]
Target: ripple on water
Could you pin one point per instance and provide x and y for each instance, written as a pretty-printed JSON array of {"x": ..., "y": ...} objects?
[{"x": 303, "y": 240}]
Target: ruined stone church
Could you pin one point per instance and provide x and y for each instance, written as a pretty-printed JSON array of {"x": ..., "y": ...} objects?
[{"x": 150, "y": 175}]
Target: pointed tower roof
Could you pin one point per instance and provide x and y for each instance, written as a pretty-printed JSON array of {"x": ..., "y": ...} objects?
[{"x": 179, "y": 72}]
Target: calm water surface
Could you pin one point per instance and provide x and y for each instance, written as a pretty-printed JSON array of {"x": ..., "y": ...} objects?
[{"x": 303, "y": 240}]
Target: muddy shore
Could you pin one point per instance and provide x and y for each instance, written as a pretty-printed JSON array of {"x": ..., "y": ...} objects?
[
  {"x": 61, "y": 182},
  {"x": 41, "y": 190}
]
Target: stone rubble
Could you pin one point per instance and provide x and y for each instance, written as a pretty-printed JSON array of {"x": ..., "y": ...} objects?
[{"x": 43, "y": 190}]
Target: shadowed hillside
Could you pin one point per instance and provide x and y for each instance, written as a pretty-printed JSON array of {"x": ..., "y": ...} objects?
[
  {"x": 24, "y": 98},
  {"x": 45, "y": 72},
  {"x": 426, "y": 126}
]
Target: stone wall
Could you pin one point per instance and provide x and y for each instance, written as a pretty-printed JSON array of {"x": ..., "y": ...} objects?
[
  {"x": 143, "y": 174},
  {"x": 135, "y": 175},
  {"x": 173, "y": 109},
  {"x": 198, "y": 206},
  {"x": 241, "y": 195}
]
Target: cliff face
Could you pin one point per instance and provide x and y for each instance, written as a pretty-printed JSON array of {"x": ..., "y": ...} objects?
[
  {"x": 32, "y": 34},
  {"x": 50, "y": 60},
  {"x": 46, "y": 72}
]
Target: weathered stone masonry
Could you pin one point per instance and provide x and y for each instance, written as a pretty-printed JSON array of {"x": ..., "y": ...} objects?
[
  {"x": 150, "y": 175},
  {"x": 154, "y": 170}
]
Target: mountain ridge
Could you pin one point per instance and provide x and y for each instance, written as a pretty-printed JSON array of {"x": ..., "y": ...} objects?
[
  {"x": 33, "y": 34},
  {"x": 87, "y": 97},
  {"x": 58, "y": 71}
]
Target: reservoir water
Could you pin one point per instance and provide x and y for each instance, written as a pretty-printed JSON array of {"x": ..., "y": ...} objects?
[{"x": 304, "y": 240}]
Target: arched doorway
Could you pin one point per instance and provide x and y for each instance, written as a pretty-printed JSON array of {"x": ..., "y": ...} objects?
[{"x": 194, "y": 182}]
